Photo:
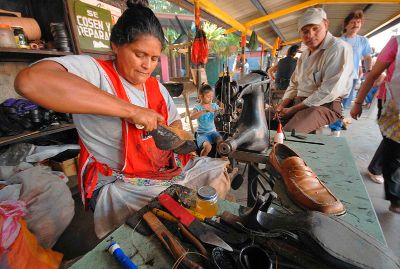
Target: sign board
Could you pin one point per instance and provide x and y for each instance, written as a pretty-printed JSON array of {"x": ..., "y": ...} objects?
[
  {"x": 92, "y": 26},
  {"x": 115, "y": 12}
]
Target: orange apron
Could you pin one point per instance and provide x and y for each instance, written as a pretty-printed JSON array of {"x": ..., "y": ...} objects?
[{"x": 142, "y": 159}]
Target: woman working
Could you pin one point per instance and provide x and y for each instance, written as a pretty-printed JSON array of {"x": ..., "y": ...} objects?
[{"x": 120, "y": 168}]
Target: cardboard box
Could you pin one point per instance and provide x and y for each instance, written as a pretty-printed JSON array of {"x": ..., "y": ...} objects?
[{"x": 68, "y": 167}]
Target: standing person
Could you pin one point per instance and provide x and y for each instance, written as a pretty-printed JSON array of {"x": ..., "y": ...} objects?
[
  {"x": 204, "y": 112},
  {"x": 321, "y": 78},
  {"x": 374, "y": 170},
  {"x": 389, "y": 122},
  {"x": 361, "y": 51},
  {"x": 246, "y": 67},
  {"x": 120, "y": 167},
  {"x": 237, "y": 66},
  {"x": 284, "y": 69}
]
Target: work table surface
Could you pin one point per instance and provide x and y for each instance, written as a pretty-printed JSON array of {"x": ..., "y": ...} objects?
[{"x": 334, "y": 164}]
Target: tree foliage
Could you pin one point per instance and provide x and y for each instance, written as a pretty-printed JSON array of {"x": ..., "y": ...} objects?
[
  {"x": 220, "y": 43},
  {"x": 164, "y": 6}
]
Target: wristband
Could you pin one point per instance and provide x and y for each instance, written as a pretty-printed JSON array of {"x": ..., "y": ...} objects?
[{"x": 357, "y": 103}]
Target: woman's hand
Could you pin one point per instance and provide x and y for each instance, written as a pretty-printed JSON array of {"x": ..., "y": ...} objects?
[
  {"x": 356, "y": 111},
  {"x": 146, "y": 117}
]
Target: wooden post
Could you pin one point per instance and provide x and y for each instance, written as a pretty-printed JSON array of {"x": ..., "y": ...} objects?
[
  {"x": 197, "y": 23},
  {"x": 262, "y": 56},
  {"x": 243, "y": 57}
]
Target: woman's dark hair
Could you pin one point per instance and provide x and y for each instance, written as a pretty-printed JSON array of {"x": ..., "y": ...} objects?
[
  {"x": 205, "y": 88},
  {"x": 293, "y": 50},
  {"x": 137, "y": 20},
  {"x": 358, "y": 14}
]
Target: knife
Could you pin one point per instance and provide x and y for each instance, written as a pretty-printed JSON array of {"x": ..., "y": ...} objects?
[
  {"x": 230, "y": 236},
  {"x": 193, "y": 225}
]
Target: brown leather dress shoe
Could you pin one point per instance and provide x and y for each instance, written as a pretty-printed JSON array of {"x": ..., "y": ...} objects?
[
  {"x": 303, "y": 185},
  {"x": 169, "y": 138}
]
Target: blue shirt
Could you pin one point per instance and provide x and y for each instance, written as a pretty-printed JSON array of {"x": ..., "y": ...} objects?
[
  {"x": 206, "y": 121},
  {"x": 361, "y": 48}
]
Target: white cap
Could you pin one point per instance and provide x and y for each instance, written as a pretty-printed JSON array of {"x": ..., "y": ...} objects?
[{"x": 311, "y": 16}]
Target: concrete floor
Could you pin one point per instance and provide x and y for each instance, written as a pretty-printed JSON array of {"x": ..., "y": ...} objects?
[{"x": 363, "y": 137}]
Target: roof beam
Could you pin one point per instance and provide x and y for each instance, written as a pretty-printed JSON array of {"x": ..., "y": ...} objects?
[
  {"x": 190, "y": 7},
  {"x": 387, "y": 22},
  {"x": 212, "y": 9},
  {"x": 308, "y": 4},
  {"x": 292, "y": 42},
  {"x": 281, "y": 13},
  {"x": 261, "y": 8}
]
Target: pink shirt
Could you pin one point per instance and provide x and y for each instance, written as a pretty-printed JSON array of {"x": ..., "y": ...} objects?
[{"x": 388, "y": 55}]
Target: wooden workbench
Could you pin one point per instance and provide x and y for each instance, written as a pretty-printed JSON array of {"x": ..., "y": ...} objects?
[{"x": 334, "y": 164}]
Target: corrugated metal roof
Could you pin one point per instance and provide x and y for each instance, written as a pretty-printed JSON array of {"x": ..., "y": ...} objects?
[{"x": 244, "y": 11}]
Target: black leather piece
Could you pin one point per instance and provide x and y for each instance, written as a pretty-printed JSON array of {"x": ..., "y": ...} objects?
[
  {"x": 254, "y": 257},
  {"x": 166, "y": 139},
  {"x": 7, "y": 127},
  {"x": 24, "y": 122},
  {"x": 333, "y": 240},
  {"x": 222, "y": 259},
  {"x": 249, "y": 219}
]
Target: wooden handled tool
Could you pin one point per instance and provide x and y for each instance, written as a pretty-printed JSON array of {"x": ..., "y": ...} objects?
[
  {"x": 185, "y": 232},
  {"x": 169, "y": 240}
]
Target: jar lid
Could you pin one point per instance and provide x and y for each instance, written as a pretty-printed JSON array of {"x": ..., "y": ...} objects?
[{"x": 207, "y": 193}]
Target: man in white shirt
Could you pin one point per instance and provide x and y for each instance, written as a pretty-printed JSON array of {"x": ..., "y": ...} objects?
[{"x": 323, "y": 76}]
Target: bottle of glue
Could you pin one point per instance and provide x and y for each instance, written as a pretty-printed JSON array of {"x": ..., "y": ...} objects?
[{"x": 278, "y": 138}]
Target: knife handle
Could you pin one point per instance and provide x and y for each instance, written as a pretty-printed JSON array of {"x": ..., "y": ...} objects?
[
  {"x": 169, "y": 240},
  {"x": 164, "y": 215},
  {"x": 176, "y": 209},
  {"x": 197, "y": 244}
]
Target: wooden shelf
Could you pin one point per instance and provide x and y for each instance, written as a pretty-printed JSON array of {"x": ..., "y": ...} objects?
[
  {"x": 27, "y": 135},
  {"x": 28, "y": 55}
]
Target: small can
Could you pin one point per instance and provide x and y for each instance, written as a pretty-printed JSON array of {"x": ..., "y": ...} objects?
[
  {"x": 207, "y": 201},
  {"x": 20, "y": 38}
]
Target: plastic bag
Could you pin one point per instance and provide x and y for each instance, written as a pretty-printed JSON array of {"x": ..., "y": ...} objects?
[
  {"x": 253, "y": 43},
  {"x": 41, "y": 153},
  {"x": 11, "y": 212},
  {"x": 16, "y": 154},
  {"x": 26, "y": 253},
  {"x": 39, "y": 188}
]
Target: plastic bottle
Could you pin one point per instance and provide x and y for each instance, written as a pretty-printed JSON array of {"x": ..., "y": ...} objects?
[
  {"x": 278, "y": 138},
  {"x": 206, "y": 203},
  {"x": 126, "y": 263}
]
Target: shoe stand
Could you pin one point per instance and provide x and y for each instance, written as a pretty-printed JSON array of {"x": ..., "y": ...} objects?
[{"x": 257, "y": 175}]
